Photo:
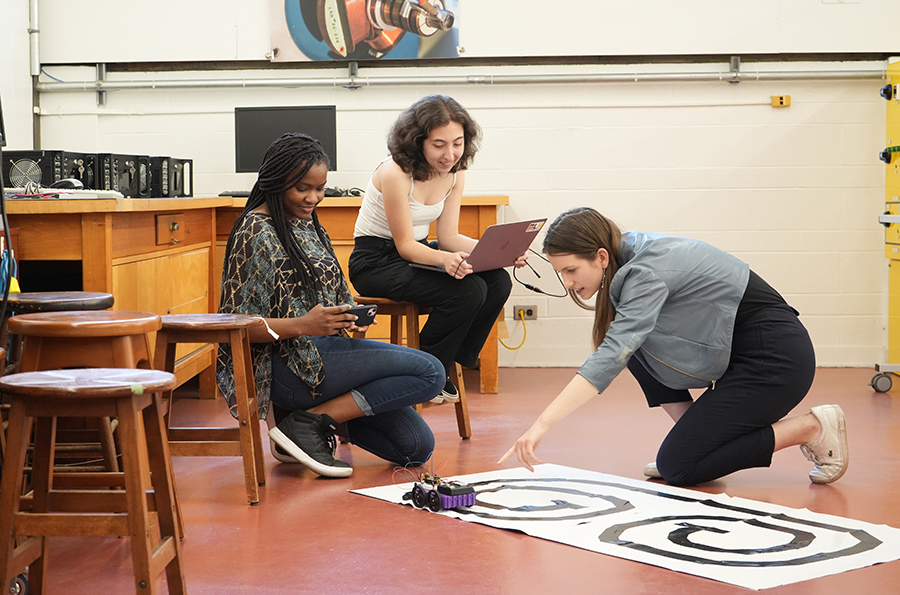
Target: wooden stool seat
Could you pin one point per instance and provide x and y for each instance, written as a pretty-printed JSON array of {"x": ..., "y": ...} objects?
[
  {"x": 85, "y": 339},
  {"x": 47, "y": 301},
  {"x": 80, "y": 323},
  {"x": 409, "y": 312},
  {"x": 57, "y": 301},
  {"x": 243, "y": 441},
  {"x": 133, "y": 397}
]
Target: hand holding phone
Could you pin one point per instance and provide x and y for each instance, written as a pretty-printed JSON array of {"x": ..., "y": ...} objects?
[{"x": 365, "y": 315}]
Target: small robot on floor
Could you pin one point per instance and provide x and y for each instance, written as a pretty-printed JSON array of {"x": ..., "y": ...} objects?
[{"x": 438, "y": 494}]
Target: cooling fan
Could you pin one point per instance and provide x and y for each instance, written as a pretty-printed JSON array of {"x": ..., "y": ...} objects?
[{"x": 24, "y": 171}]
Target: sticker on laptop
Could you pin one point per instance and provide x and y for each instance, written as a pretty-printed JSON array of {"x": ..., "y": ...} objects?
[{"x": 533, "y": 227}]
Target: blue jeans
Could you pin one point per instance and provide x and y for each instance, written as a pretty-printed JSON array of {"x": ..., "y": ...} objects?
[{"x": 385, "y": 381}]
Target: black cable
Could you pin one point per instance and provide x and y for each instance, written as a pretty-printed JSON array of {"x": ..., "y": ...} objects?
[{"x": 538, "y": 289}]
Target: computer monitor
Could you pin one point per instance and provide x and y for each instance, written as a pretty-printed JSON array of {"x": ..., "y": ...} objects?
[{"x": 256, "y": 128}]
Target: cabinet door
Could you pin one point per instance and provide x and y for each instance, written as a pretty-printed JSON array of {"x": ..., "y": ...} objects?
[{"x": 166, "y": 283}]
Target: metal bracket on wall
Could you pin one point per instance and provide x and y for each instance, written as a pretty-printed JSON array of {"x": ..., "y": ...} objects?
[
  {"x": 735, "y": 64},
  {"x": 101, "y": 77}
]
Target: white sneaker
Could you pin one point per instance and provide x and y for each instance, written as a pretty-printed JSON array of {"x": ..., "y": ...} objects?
[
  {"x": 651, "y": 471},
  {"x": 829, "y": 451}
]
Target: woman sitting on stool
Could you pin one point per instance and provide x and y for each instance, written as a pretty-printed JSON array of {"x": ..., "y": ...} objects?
[
  {"x": 432, "y": 143},
  {"x": 280, "y": 265}
]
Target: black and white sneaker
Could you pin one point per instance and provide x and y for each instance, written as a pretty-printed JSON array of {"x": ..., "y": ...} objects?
[
  {"x": 280, "y": 454},
  {"x": 449, "y": 394},
  {"x": 309, "y": 438}
]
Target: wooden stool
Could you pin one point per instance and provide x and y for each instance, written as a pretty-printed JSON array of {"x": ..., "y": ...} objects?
[
  {"x": 86, "y": 339},
  {"x": 398, "y": 311},
  {"x": 132, "y": 396},
  {"x": 49, "y": 301},
  {"x": 243, "y": 441}
]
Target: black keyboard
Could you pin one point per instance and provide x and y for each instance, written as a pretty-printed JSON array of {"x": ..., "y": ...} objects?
[{"x": 236, "y": 193}]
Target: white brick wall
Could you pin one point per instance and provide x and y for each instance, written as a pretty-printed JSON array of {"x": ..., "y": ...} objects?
[{"x": 793, "y": 191}]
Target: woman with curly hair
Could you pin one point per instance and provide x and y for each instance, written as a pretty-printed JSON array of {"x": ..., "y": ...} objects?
[{"x": 432, "y": 144}]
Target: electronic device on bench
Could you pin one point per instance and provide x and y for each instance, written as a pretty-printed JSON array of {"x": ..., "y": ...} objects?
[{"x": 500, "y": 245}]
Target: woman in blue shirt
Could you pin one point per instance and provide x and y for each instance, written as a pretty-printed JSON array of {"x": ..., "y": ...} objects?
[{"x": 681, "y": 314}]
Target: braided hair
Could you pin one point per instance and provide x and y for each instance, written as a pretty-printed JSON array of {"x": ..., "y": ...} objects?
[{"x": 287, "y": 161}]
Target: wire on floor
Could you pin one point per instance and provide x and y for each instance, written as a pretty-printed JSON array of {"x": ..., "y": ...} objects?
[{"x": 524, "y": 333}]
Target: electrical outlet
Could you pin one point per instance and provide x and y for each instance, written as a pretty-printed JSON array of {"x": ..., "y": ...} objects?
[{"x": 530, "y": 312}]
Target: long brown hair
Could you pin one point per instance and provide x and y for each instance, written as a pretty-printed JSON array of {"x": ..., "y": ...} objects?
[{"x": 581, "y": 232}]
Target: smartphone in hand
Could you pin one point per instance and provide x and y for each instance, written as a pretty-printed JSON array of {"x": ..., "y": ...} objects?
[{"x": 365, "y": 314}]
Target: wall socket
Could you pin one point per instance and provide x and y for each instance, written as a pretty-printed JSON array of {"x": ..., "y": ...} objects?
[{"x": 530, "y": 312}]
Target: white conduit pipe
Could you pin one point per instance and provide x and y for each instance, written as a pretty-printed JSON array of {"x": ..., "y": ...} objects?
[
  {"x": 34, "y": 32},
  {"x": 499, "y": 79}
]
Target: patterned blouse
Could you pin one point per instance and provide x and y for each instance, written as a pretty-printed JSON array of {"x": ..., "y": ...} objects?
[{"x": 258, "y": 280}]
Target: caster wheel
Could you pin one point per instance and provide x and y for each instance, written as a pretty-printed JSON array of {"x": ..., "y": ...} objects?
[
  {"x": 19, "y": 586},
  {"x": 434, "y": 501},
  {"x": 882, "y": 382},
  {"x": 418, "y": 497}
]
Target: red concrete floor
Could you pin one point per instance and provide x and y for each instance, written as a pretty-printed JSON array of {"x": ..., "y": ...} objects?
[{"x": 310, "y": 535}]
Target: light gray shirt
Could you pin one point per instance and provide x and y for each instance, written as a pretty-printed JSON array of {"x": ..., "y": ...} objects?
[{"x": 675, "y": 300}]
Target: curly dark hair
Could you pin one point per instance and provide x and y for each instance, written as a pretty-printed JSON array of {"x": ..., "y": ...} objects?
[{"x": 416, "y": 123}]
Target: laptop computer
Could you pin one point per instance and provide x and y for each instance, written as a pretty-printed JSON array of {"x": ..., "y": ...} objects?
[{"x": 500, "y": 245}]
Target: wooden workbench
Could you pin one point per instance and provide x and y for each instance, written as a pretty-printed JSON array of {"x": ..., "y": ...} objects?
[{"x": 165, "y": 255}]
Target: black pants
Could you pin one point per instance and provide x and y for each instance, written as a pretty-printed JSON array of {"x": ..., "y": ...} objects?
[
  {"x": 730, "y": 427},
  {"x": 463, "y": 311}
]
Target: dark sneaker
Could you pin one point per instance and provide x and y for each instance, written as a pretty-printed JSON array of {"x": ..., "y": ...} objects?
[
  {"x": 449, "y": 394},
  {"x": 280, "y": 454},
  {"x": 309, "y": 438}
]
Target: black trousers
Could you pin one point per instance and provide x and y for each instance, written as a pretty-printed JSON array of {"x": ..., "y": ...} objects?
[
  {"x": 730, "y": 427},
  {"x": 463, "y": 311}
]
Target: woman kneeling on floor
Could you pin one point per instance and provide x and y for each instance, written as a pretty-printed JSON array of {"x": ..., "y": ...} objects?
[{"x": 280, "y": 265}]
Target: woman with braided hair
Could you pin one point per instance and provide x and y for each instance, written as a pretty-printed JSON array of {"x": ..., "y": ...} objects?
[
  {"x": 681, "y": 314},
  {"x": 280, "y": 265}
]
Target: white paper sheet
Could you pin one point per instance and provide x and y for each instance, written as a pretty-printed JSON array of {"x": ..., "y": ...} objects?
[{"x": 751, "y": 544}]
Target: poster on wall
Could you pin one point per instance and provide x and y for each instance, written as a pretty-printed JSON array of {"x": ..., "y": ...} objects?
[{"x": 328, "y": 30}]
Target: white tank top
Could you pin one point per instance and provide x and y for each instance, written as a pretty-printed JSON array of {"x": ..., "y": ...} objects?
[{"x": 372, "y": 219}]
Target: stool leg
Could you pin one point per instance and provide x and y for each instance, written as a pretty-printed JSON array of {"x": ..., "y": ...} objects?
[
  {"x": 162, "y": 478},
  {"x": 462, "y": 406},
  {"x": 412, "y": 327},
  {"x": 42, "y": 483},
  {"x": 254, "y": 413},
  {"x": 164, "y": 360},
  {"x": 108, "y": 444},
  {"x": 241, "y": 382},
  {"x": 397, "y": 329},
  {"x": 10, "y": 493},
  {"x": 137, "y": 482}
]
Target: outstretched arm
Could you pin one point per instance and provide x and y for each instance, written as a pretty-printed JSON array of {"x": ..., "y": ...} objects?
[{"x": 578, "y": 392}]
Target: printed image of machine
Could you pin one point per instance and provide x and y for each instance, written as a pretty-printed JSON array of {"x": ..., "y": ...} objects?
[
  {"x": 370, "y": 29},
  {"x": 437, "y": 494}
]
